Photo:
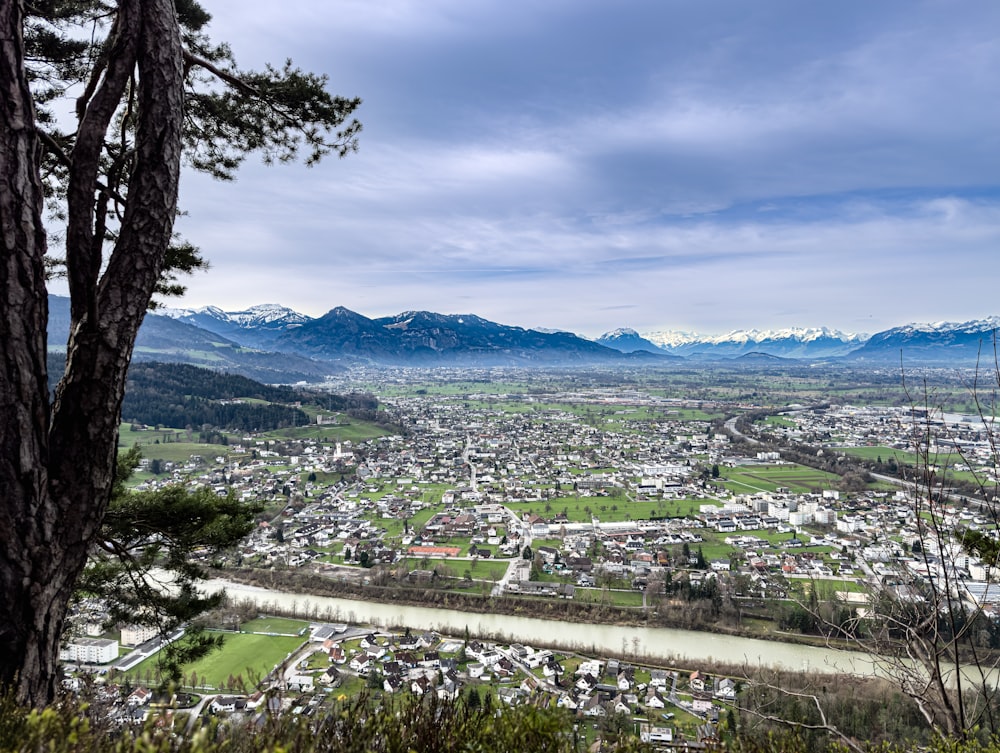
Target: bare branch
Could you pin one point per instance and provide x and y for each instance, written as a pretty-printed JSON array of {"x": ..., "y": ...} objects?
[{"x": 824, "y": 724}]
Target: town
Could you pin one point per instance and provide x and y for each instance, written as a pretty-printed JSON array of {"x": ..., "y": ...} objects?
[{"x": 540, "y": 492}]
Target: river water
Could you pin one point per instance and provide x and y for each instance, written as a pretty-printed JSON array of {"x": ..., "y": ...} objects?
[{"x": 686, "y": 647}]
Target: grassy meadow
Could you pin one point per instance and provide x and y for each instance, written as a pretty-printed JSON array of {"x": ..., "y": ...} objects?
[
  {"x": 797, "y": 478},
  {"x": 244, "y": 655}
]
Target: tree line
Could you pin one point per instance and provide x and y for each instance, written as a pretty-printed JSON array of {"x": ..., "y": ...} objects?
[
  {"x": 182, "y": 395},
  {"x": 171, "y": 394},
  {"x": 152, "y": 408}
]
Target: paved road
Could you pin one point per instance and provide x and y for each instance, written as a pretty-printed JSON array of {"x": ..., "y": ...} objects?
[
  {"x": 512, "y": 569},
  {"x": 195, "y": 712},
  {"x": 145, "y": 650},
  {"x": 731, "y": 427}
]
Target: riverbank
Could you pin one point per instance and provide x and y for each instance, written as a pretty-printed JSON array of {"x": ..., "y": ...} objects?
[
  {"x": 312, "y": 583},
  {"x": 850, "y": 685},
  {"x": 678, "y": 647}
]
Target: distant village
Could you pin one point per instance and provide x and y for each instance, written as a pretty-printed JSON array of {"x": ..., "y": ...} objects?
[{"x": 596, "y": 494}]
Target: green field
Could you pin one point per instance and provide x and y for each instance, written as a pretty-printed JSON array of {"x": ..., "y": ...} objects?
[
  {"x": 554, "y": 543},
  {"x": 160, "y": 443},
  {"x": 431, "y": 493},
  {"x": 243, "y": 655},
  {"x": 175, "y": 444},
  {"x": 900, "y": 456},
  {"x": 181, "y": 452},
  {"x": 274, "y": 625},
  {"x": 942, "y": 460},
  {"x": 323, "y": 478},
  {"x": 479, "y": 570},
  {"x": 828, "y": 589},
  {"x": 874, "y": 453},
  {"x": 692, "y": 414},
  {"x": 798, "y": 478},
  {"x": 611, "y": 509},
  {"x": 394, "y": 526},
  {"x": 601, "y": 596},
  {"x": 355, "y": 431},
  {"x": 608, "y": 509},
  {"x": 779, "y": 421}
]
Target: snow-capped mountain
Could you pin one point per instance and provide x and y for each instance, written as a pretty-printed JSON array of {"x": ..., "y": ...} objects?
[
  {"x": 940, "y": 341},
  {"x": 975, "y": 326},
  {"x": 257, "y": 326},
  {"x": 792, "y": 342},
  {"x": 267, "y": 315},
  {"x": 628, "y": 341},
  {"x": 427, "y": 338},
  {"x": 669, "y": 339},
  {"x": 170, "y": 339}
]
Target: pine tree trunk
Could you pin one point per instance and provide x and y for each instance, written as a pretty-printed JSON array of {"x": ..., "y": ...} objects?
[
  {"x": 57, "y": 464},
  {"x": 27, "y": 625}
]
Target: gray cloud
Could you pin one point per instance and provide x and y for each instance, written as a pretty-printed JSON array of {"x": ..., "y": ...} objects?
[{"x": 589, "y": 165}]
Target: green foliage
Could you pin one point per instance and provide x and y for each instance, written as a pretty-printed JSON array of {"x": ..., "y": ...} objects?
[
  {"x": 171, "y": 394},
  {"x": 185, "y": 379},
  {"x": 174, "y": 394},
  {"x": 394, "y": 726},
  {"x": 701, "y": 563},
  {"x": 982, "y": 544},
  {"x": 184, "y": 395},
  {"x": 162, "y": 529},
  {"x": 281, "y": 113},
  {"x": 794, "y": 616}
]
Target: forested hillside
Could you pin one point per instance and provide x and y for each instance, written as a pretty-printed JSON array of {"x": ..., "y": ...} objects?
[
  {"x": 185, "y": 379},
  {"x": 170, "y": 394},
  {"x": 181, "y": 395}
]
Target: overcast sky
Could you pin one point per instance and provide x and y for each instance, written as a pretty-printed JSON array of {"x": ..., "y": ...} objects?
[{"x": 585, "y": 165}]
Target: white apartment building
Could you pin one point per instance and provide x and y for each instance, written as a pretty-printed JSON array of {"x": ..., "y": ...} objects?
[{"x": 90, "y": 650}]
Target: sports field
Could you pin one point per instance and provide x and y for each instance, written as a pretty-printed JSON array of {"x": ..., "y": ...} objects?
[
  {"x": 278, "y": 625},
  {"x": 607, "y": 509},
  {"x": 244, "y": 655},
  {"x": 769, "y": 478}
]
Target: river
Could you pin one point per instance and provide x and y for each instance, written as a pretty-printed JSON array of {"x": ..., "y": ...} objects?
[{"x": 683, "y": 647}]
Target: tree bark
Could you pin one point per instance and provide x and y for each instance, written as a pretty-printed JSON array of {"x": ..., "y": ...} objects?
[{"x": 57, "y": 465}]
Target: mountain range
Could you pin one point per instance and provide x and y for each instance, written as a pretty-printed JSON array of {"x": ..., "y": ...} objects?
[
  {"x": 410, "y": 338},
  {"x": 972, "y": 341},
  {"x": 274, "y": 343},
  {"x": 787, "y": 343}
]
